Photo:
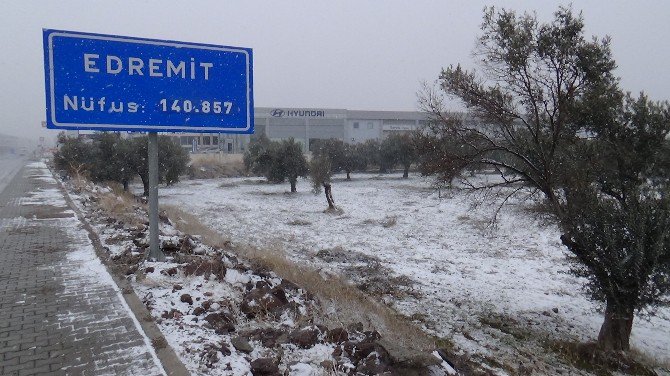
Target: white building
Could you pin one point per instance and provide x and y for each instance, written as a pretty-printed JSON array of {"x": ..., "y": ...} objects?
[{"x": 306, "y": 125}]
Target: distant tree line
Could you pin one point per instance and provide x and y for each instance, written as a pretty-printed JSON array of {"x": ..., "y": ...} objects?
[
  {"x": 109, "y": 157},
  {"x": 279, "y": 161},
  {"x": 265, "y": 157}
]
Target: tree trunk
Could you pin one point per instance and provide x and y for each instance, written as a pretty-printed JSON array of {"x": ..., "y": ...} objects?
[
  {"x": 145, "y": 183},
  {"x": 125, "y": 185},
  {"x": 348, "y": 175},
  {"x": 293, "y": 183},
  {"x": 405, "y": 173},
  {"x": 615, "y": 331},
  {"x": 329, "y": 195}
]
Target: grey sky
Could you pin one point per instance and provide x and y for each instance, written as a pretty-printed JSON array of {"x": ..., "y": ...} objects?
[{"x": 325, "y": 54}]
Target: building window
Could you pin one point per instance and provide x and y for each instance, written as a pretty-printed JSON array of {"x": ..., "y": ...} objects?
[
  {"x": 230, "y": 147},
  {"x": 206, "y": 140},
  {"x": 184, "y": 140},
  {"x": 215, "y": 140},
  {"x": 356, "y": 125},
  {"x": 370, "y": 125}
]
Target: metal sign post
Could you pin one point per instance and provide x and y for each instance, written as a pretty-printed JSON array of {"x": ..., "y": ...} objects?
[
  {"x": 155, "y": 253},
  {"x": 115, "y": 83}
]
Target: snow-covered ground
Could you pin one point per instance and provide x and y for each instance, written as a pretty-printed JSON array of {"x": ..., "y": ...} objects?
[
  {"x": 496, "y": 292},
  {"x": 224, "y": 316}
]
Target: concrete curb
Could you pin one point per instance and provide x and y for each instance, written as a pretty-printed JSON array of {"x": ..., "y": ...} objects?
[{"x": 168, "y": 358}]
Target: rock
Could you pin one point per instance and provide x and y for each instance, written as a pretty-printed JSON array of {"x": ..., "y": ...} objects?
[
  {"x": 265, "y": 367},
  {"x": 150, "y": 269},
  {"x": 206, "y": 304},
  {"x": 198, "y": 311},
  {"x": 130, "y": 256},
  {"x": 249, "y": 286},
  {"x": 555, "y": 310},
  {"x": 337, "y": 335},
  {"x": 263, "y": 301},
  {"x": 546, "y": 313},
  {"x": 270, "y": 337},
  {"x": 241, "y": 344},
  {"x": 215, "y": 306},
  {"x": 364, "y": 349},
  {"x": 141, "y": 243},
  {"x": 328, "y": 364},
  {"x": 206, "y": 268},
  {"x": 288, "y": 285},
  {"x": 262, "y": 272},
  {"x": 170, "y": 245},
  {"x": 224, "y": 349},
  {"x": 371, "y": 366},
  {"x": 305, "y": 338},
  {"x": 186, "y": 298},
  {"x": 400, "y": 356},
  {"x": 222, "y": 322},
  {"x": 210, "y": 357},
  {"x": 173, "y": 314},
  {"x": 280, "y": 294},
  {"x": 170, "y": 271},
  {"x": 371, "y": 336},
  {"x": 262, "y": 285},
  {"x": 176, "y": 288},
  {"x": 225, "y": 328},
  {"x": 357, "y": 327}
]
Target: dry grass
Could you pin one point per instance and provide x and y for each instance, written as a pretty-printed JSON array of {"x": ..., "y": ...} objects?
[
  {"x": 589, "y": 357},
  {"x": 216, "y": 157},
  {"x": 389, "y": 221},
  {"x": 211, "y": 166},
  {"x": 343, "y": 304},
  {"x": 120, "y": 204},
  {"x": 655, "y": 363},
  {"x": 299, "y": 222}
]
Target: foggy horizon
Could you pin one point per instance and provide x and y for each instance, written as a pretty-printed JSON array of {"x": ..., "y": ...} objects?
[{"x": 351, "y": 55}]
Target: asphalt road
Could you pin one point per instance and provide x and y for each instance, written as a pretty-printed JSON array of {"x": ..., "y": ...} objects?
[{"x": 9, "y": 166}]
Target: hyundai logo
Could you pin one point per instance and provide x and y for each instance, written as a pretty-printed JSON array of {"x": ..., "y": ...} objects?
[{"x": 277, "y": 112}]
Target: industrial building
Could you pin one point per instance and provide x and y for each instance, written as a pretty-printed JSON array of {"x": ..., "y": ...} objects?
[{"x": 306, "y": 125}]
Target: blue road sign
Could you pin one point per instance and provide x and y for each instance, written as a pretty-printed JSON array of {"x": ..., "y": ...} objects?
[{"x": 115, "y": 83}]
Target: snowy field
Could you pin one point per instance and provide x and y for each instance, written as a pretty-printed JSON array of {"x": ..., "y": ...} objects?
[{"x": 496, "y": 292}]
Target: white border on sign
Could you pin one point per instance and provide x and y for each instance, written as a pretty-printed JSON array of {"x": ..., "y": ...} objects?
[{"x": 139, "y": 41}]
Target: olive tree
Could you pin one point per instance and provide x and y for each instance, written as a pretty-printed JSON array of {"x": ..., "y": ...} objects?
[
  {"x": 341, "y": 156},
  {"x": 546, "y": 113},
  {"x": 320, "y": 171},
  {"x": 172, "y": 160},
  {"x": 277, "y": 161},
  {"x": 399, "y": 149},
  {"x": 74, "y": 156}
]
